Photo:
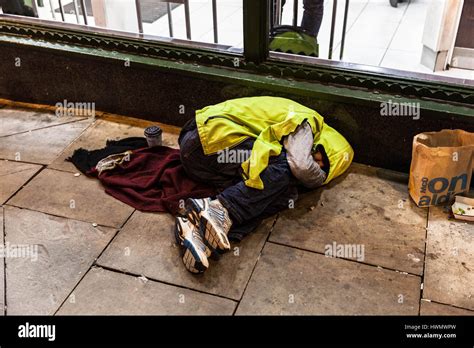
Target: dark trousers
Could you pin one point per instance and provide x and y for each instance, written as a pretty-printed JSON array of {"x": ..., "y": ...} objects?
[
  {"x": 247, "y": 206},
  {"x": 312, "y": 15}
]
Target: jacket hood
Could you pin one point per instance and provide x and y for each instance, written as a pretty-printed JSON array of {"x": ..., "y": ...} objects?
[{"x": 338, "y": 151}]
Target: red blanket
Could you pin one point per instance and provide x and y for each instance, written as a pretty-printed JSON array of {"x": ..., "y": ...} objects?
[{"x": 153, "y": 180}]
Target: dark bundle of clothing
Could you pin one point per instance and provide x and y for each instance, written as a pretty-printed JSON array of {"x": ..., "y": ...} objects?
[{"x": 147, "y": 178}]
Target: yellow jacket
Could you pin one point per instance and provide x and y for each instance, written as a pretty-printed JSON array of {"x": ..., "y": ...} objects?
[{"x": 268, "y": 120}]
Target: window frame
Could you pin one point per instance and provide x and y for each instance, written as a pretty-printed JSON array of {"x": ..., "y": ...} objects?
[{"x": 255, "y": 56}]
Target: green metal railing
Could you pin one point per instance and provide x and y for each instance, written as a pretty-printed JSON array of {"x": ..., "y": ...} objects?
[{"x": 255, "y": 58}]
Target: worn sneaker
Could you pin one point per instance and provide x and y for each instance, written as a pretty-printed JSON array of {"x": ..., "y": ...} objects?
[
  {"x": 195, "y": 252},
  {"x": 213, "y": 221}
]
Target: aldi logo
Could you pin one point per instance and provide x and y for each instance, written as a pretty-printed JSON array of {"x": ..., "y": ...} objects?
[{"x": 441, "y": 190}]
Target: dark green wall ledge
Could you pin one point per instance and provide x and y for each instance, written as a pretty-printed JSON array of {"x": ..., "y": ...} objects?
[{"x": 157, "y": 88}]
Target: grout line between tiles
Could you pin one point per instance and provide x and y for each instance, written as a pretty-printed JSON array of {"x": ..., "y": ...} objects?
[
  {"x": 346, "y": 259},
  {"x": 94, "y": 262},
  {"x": 255, "y": 266},
  {"x": 4, "y": 265},
  {"x": 26, "y": 183},
  {"x": 42, "y": 128},
  {"x": 27, "y": 162},
  {"x": 449, "y": 305},
  {"x": 115, "y": 235},
  {"x": 164, "y": 282},
  {"x": 91, "y": 125},
  {"x": 19, "y": 171},
  {"x": 424, "y": 258},
  {"x": 57, "y": 216}
]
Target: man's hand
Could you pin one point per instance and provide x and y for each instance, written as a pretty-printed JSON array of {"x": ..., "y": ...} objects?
[{"x": 306, "y": 167}]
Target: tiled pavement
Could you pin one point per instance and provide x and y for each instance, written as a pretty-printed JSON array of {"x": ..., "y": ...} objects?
[{"x": 414, "y": 261}]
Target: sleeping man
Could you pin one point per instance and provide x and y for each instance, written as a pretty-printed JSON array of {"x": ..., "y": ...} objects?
[{"x": 256, "y": 151}]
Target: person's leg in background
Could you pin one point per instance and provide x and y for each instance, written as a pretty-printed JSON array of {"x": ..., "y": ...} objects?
[
  {"x": 394, "y": 3},
  {"x": 312, "y": 16}
]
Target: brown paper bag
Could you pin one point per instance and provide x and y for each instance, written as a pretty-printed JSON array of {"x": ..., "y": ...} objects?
[{"x": 441, "y": 166}]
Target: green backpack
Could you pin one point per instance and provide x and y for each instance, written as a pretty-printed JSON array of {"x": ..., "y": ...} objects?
[{"x": 294, "y": 40}]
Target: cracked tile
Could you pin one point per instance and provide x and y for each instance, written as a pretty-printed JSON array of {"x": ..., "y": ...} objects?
[
  {"x": 449, "y": 269},
  {"x": 360, "y": 208},
  {"x": 65, "y": 249},
  {"x": 13, "y": 175},
  {"x": 290, "y": 281},
  {"x": 103, "y": 292},
  {"x": 433, "y": 308},
  {"x": 15, "y": 120},
  {"x": 2, "y": 269},
  {"x": 41, "y": 145},
  {"x": 112, "y": 127},
  {"x": 81, "y": 198},
  {"x": 146, "y": 245}
]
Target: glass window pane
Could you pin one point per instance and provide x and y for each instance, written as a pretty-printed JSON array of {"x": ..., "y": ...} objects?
[
  {"x": 206, "y": 21},
  {"x": 410, "y": 35}
]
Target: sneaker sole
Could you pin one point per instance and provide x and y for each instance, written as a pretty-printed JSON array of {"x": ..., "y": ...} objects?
[
  {"x": 191, "y": 259},
  {"x": 215, "y": 240},
  {"x": 191, "y": 256},
  {"x": 213, "y": 254}
]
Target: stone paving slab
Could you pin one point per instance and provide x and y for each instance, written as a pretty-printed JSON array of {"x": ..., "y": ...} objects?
[
  {"x": 66, "y": 249},
  {"x": 42, "y": 145},
  {"x": 103, "y": 292},
  {"x": 13, "y": 175},
  {"x": 15, "y": 120},
  {"x": 81, "y": 198},
  {"x": 433, "y": 308},
  {"x": 363, "y": 209},
  {"x": 2, "y": 269},
  {"x": 292, "y": 281},
  {"x": 113, "y": 128},
  {"x": 449, "y": 269},
  {"x": 146, "y": 246}
]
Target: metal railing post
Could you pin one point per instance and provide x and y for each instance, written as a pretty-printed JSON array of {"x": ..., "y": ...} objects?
[
  {"x": 295, "y": 13},
  {"x": 214, "y": 21},
  {"x": 52, "y": 8},
  {"x": 344, "y": 26},
  {"x": 187, "y": 19},
  {"x": 61, "y": 10},
  {"x": 277, "y": 12},
  {"x": 84, "y": 11},
  {"x": 170, "y": 18},
  {"x": 76, "y": 11},
  {"x": 139, "y": 16},
  {"x": 256, "y": 30},
  {"x": 333, "y": 25}
]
